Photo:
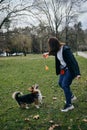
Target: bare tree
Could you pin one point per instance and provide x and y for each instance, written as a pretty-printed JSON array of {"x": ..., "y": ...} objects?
[
  {"x": 10, "y": 9},
  {"x": 57, "y": 14}
]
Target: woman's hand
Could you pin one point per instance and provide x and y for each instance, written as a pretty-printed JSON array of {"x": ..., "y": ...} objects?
[
  {"x": 78, "y": 77},
  {"x": 45, "y": 55}
]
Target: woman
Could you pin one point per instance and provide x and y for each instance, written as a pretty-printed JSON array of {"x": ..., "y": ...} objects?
[{"x": 66, "y": 66}]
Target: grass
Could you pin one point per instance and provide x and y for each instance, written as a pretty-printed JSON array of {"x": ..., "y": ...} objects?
[{"x": 19, "y": 73}]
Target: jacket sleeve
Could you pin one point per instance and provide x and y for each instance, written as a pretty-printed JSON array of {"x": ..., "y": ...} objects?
[{"x": 71, "y": 62}]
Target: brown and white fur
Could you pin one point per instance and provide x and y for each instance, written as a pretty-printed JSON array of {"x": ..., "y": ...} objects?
[{"x": 24, "y": 100}]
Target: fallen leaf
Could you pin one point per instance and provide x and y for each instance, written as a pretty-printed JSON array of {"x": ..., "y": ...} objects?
[
  {"x": 69, "y": 128},
  {"x": 54, "y": 126},
  {"x": 71, "y": 120},
  {"x": 85, "y": 120},
  {"x": 27, "y": 119},
  {"x": 54, "y": 98},
  {"x": 51, "y": 128},
  {"x": 51, "y": 121},
  {"x": 43, "y": 96},
  {"x": 36, "y": 117}
]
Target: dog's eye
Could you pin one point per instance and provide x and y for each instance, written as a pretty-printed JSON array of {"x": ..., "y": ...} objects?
[{"x": 36, "y": 87}]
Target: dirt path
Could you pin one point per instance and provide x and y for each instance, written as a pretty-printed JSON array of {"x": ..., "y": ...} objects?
[{"x": 83, "y": 54}]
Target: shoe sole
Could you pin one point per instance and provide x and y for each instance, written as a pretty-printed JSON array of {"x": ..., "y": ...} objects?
[{"x": 68, "y": 109}]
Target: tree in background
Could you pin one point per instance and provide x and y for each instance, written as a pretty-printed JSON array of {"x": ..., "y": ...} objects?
[
  {"x": 48, "y": 18},
  {"x": 57, "y": 14},
  {"x": 13, "y": 10},
  {"x": 21, "y": 43},
  {"x": 80, "y": 35},
  {"x": 34, "y": 40}
]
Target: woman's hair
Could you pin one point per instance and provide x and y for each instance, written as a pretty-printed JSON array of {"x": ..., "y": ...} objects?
[{"x": 54, "y": 45}]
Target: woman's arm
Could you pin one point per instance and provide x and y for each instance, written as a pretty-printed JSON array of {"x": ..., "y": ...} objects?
[
  {"x": 45, "y": 55},
  {"x": 71, "y": 62}
]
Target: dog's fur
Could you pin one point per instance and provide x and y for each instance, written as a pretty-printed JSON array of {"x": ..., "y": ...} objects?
[{"x": 24, "y": 100}]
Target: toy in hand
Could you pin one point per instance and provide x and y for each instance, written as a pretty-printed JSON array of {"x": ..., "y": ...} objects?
[
  {"x": 45, "y": 56},
  {"x": 46, "y": 67}
]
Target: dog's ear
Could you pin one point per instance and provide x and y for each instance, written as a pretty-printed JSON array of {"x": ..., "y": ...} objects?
[
  {"x": 36, "y": 86},
  {"x": 30, "y": 89}
]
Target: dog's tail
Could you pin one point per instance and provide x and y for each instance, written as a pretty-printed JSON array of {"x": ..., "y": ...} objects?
[{"x": 16, "y": 94}]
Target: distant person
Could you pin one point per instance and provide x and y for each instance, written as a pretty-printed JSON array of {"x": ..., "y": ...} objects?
[{"x": 66, "y": 66}]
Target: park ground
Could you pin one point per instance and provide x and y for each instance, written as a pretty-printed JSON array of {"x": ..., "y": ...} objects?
[{"x": 19, "y": 73}]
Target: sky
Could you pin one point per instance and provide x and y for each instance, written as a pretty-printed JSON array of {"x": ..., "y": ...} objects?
[
  {"x": 83, "y": 19},
  {"x": 83, "y": 16},
  {"x": 25, "y": 21}
]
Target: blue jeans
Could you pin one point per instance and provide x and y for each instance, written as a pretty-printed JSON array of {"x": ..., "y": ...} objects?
[{"x": 65, "y": 81}]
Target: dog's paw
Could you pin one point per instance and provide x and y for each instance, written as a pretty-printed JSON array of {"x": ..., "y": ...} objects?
[
  {"x": 26, "y": 107},
  {"x": 37, "y": 106}
]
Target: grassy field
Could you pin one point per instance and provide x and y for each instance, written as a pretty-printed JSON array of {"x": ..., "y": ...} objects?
[{"x": 19, "y": 73}]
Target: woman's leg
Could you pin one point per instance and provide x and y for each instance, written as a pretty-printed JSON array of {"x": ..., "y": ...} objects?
[{"x": 65, "y": 82}]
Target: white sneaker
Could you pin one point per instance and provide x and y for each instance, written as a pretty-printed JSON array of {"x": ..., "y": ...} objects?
[
  {"x": 73, "y": 98},
  {"x": 27, "y": 107},
  {"x": 67, "y": 108}
]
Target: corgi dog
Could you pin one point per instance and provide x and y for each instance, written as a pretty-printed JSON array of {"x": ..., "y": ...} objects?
[{"x": 34, "y": 96}]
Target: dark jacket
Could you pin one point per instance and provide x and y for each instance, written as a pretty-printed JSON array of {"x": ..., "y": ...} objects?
[{"x": 69, "y": 60}]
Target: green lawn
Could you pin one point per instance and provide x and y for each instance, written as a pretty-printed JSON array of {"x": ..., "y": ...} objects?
[{"x": 19, "y": 73}]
